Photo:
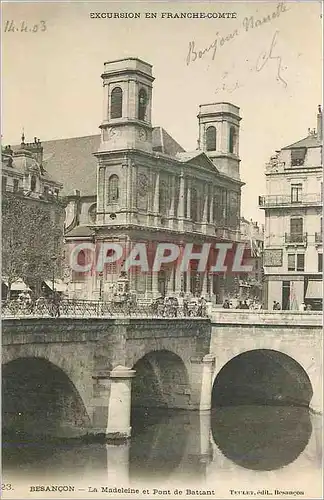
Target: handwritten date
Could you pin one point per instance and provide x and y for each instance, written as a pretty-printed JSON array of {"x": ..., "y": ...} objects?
[{"x": 23, "y": 27}]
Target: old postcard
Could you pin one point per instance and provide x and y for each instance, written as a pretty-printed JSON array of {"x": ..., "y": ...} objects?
[{"x": 162, "y": 255}]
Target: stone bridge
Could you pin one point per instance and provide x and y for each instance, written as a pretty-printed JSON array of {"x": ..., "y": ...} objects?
[{"x": 85, "y": 375}]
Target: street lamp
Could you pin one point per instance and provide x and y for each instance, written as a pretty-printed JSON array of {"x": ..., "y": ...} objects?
[{"x": 100, "y": 285}]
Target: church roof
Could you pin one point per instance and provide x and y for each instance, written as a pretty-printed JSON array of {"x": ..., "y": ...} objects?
[
  {"x": 312, "y": 141},
  {"x": 80, "y": 232},
  {"x": 188, "y": 155},
  {"x": 71, "y": 161},
  {"x": 163, "y": 142}
]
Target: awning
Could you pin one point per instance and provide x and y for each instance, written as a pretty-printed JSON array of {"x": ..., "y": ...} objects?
[
  {"x": 314, "y": 289},
  {"x": 58, "y": 285},
  {"x": 17, "y": 286}
]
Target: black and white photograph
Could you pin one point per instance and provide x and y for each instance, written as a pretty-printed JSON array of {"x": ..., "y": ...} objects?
[{"x": 162, "y": 254}]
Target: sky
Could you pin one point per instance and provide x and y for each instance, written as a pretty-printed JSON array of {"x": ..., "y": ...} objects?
[{"x": 272, "y": 71}]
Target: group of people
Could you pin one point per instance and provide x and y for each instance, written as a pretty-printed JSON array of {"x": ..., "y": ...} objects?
[
  {"x": 242, "y": 304},
  {"x": 173, "y": 307},
  {"x": 41, "y": 305},
  {"x": 303, "y": 307}
]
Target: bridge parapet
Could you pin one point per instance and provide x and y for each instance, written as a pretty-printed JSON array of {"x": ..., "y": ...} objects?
[{"x": 274, "y": 318}]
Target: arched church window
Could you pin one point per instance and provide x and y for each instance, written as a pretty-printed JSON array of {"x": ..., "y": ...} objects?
[
  {"x": 142, "y": 104},
  {"x": 211, "y": 139},
  {"x": 93, "y": 213},
  {"x": 194, "y": 205},
  {"x": 232, "y": 140},
  {"x": 113, "y": 189},
  {"x": 116, "y": 103},
  {"x": 163, "y": 198},
  {"x": 33, "y": 183}
]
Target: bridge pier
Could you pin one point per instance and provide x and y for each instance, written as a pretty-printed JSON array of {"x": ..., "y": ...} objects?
[{"x": 119, "y": 409}]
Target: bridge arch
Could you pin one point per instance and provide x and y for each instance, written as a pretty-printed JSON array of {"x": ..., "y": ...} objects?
[
  {"x": 161, "y": 381},
  {"x": 39, "y": 397},
  {"x": 262, "y": 376},
  {"x": 260, "y": 418}
]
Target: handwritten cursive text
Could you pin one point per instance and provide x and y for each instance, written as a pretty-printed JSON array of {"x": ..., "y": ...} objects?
[
  {"x": 248, "y": 24},
  {"x": 267, "y": 55},
  {"x": 23, "y": 27}
]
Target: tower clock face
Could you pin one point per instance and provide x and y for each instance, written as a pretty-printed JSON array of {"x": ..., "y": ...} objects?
[
  {"x": 142, "y": 134},
  {"x": 142, "y": 185}
]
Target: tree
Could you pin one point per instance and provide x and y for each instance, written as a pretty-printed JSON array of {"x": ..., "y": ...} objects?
[{"x": 32, "y": 232}]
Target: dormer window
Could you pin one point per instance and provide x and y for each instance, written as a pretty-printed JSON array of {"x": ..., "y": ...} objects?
[
  {"x": 211, "y": 139},
  {"x": 116, "y": 103},
  {"x": 298, "y": 157},
  {"x": 142, "y": 103}
]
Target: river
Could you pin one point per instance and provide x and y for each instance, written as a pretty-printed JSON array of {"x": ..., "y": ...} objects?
[{"x": 234, "y": 447}]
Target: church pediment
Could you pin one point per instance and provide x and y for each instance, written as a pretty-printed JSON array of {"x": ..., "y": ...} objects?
[{"x": 198, "y": 159}]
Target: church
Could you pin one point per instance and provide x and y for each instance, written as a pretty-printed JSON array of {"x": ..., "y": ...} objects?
[{"x": 135, "y": 184}]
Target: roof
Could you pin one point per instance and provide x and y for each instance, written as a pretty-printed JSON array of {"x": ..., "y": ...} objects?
[
  {"x": 80, "y": 232},
  {"x": 162, "y": 141},
  {"x": 188, "y": 155},
  {"x": 312, "y": 141},
  {"x": 71, "y": 161}
]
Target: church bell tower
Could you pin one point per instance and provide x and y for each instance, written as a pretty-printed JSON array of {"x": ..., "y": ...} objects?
[
  {"x": 127, "y": 105},
  {"x": 219, "y": 125}
]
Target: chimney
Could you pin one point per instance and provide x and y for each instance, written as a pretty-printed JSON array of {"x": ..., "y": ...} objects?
[{"x": 319, "y": 123}]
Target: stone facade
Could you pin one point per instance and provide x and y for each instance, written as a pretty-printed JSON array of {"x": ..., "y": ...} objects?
[
  {"x": 149, "y": 189},
  {"x": 293, "y": 204},
  {"x": 32, "y": 220}
]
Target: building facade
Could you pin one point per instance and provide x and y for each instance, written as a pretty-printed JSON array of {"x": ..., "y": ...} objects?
[
  {"x": 293, "y": 255},
  {"x": 32, "y": 221},
  {"x": 251, "y": 285},
  {"x": 150, "y": 190}
]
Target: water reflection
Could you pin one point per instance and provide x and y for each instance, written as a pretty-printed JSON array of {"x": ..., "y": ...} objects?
[
  {"x": 173, "y": 445},
  {"x": 162, "y": 442},
  {"x": 263, "y": 437}
]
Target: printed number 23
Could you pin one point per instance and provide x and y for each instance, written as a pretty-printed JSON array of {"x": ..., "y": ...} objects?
[{"x": 6, "y": 487}]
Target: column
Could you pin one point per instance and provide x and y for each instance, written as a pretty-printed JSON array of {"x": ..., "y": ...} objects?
[
  {"x": 133, "y": 198},
  {"x": 206, "y": 383},
  {"x": 189, "y": 200},
  {"x": 204, "y": 291},
  {"x": 172, "y": 194},
  {"x": 105, "y": 113},
  {"x": 156, "y": 198},
  {"x": 205, "y": 209},
  {"x": 181, "y": 198},
  {"x": 211, "y": 206},
  {"x": 129, "y": 191},
  {"x": 101, "y": 195},
  {"x": 179, "y": 274},
  {"x": 124, "y": 185},
  {"x": 188, "y": 280},
  {"x": 119, "y": 411}
]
